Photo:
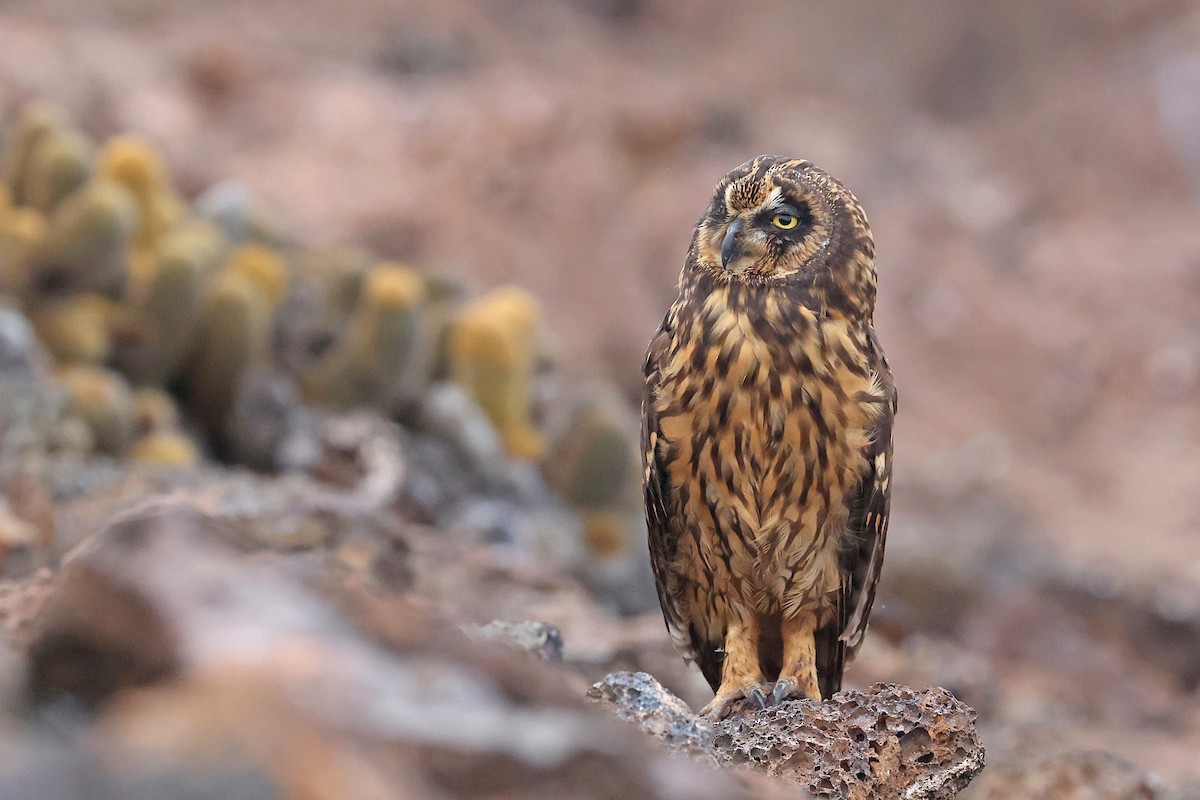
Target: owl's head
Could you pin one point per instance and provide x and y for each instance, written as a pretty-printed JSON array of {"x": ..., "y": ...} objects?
[{"x": 773, "y": 220}]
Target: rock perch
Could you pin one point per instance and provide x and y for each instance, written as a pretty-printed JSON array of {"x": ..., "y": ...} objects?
[{"x": 887, "y": 742}]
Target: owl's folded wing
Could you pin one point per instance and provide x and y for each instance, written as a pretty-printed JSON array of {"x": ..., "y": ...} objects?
[
  {"x": 869, "y": 512},
  {"x": 663, "y": 523}
]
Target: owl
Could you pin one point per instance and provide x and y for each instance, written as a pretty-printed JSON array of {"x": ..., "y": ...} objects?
[{"x": 767, "y": 432}]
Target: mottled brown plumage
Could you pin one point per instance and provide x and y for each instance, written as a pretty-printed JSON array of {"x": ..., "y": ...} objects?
[{"x": 767, "y": 430}]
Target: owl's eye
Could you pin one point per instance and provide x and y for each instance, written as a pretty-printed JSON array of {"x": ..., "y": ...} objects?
[{"x": 784, "y": 221}]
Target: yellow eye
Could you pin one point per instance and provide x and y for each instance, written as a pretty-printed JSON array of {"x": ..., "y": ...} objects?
[{"x": 785, "y": 221}]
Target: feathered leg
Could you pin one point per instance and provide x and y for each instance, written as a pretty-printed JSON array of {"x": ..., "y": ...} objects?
[
  {"x": 741, "y": 675},
  {"x": 798, "y": 678}
]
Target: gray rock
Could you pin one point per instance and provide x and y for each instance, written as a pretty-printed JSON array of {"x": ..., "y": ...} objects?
[
  {"x": 229, "y": 206},
  {"x": 461, "y": 479},
  {"x": 269, "y": 428},
  {"x": 21, "y": 356},
  {"x": 637, "y": 697},
  {"x": 40, "y": 438},
  {"x": 542, "y": 639},
  {"x": 887, "y": 742}
]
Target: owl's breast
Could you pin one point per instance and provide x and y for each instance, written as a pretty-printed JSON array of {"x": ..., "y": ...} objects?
[{"x": 765, "y": 412}]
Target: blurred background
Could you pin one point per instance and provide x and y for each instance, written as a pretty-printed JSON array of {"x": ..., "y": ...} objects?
[{"x": 1032, "y": 175}]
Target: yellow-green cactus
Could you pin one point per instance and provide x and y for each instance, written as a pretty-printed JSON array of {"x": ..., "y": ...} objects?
[
  {"x": 154, "y": 410},
  {"x": 384, "y": 356},
  {"x": 160, "y": 440},
  {"x": 165, "y": 449},
  {"x": 137, "y": 165},
  {"x": 86, "y": 239},
  {"x": 444, "y": 299},
  {"x": 235, "y": 330},
  {"x": 76, "y": 329},
  {"x": 594, "y": 463},
  {"x": 60, "y": 163},
  {"x": 36, "y": 122},
  {"x": 263, "y": 267},
  {"x": 338, "y": 273},
  {"x": 164, "y": 301},
  {"x": 492, "y": 356},
  {"x": 102, "y": 399},
  {"x": 594, "y": 467},
  {"x": 22, "y": 231}
]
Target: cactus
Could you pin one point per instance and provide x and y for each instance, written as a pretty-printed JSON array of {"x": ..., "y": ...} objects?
[
  {"x": 385, "y": 354},
  {"x": 492, "y": 356},
  {"x": 137, "y": 165},
  {"x": 85, "y": 241},
  {"x": 444, "y": 298},
  {"x": 594, "y": 467},
  {"x": 160, "y": 441},
  {"x": 165, "y": 449},
  {"x": 263, "y": 267},
  {"x": 36, "y": 122},
  {"x": 22, "y": 231},
  {"x": 235, "y": 330},
  {"x": 60, "y": 163},
  {"x": 594, "y": 463},
  {"x": 154, "y": 411},
  {"x": 339, "y": 273},
  {"x": 77, "y": 329},
  {"x": 164, "y": 302},
  {"x": 321, "y": 299},
  {"x": 102, "y": 399}
]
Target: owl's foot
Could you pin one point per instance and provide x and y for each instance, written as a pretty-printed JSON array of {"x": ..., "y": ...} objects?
[
  {"x": 798, "y": 678},
  {"x": 791, "y": 689},
  {"x": 742, "y": 682},
  {"x": 732, "y": 700}
]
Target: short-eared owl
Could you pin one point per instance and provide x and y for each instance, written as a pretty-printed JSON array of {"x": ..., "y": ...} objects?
[{"x": 767, "y": 429}]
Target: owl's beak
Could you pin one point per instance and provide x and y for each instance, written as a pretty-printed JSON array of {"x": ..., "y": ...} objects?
[{"x": 729, "y": 247}]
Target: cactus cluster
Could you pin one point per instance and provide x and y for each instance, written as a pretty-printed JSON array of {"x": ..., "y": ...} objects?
[
  {"x": 151, "y": 304},
  {"x": 132, "y": 291}
]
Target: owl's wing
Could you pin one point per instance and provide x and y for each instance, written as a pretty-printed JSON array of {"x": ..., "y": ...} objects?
[
  {"x": 862, "y": 560},
  {"x": 663, "y": 521}
]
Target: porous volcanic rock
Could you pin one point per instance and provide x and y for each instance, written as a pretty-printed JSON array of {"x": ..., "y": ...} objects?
[{"x": 886, "y": 742}]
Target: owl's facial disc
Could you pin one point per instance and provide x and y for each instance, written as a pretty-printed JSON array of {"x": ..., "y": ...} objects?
[
  {"x": 773, "y": 219},
  {"x": 767, "y": 238}
]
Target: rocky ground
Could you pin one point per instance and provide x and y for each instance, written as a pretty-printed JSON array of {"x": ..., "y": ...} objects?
[
  {"x": 208, "y": 632},
  {"x": 1031, "y": 173}
]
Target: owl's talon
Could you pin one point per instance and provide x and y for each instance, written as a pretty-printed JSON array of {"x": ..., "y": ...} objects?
[
  {"x": 785, "y": 689},
  {"x": 795, "y": 688},
  {"x": 725, "y": 704},
  {"x": 717, "y": 709}
]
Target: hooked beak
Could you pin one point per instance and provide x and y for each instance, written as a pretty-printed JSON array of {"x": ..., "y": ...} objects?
[{"x": 729, "y": 247}]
